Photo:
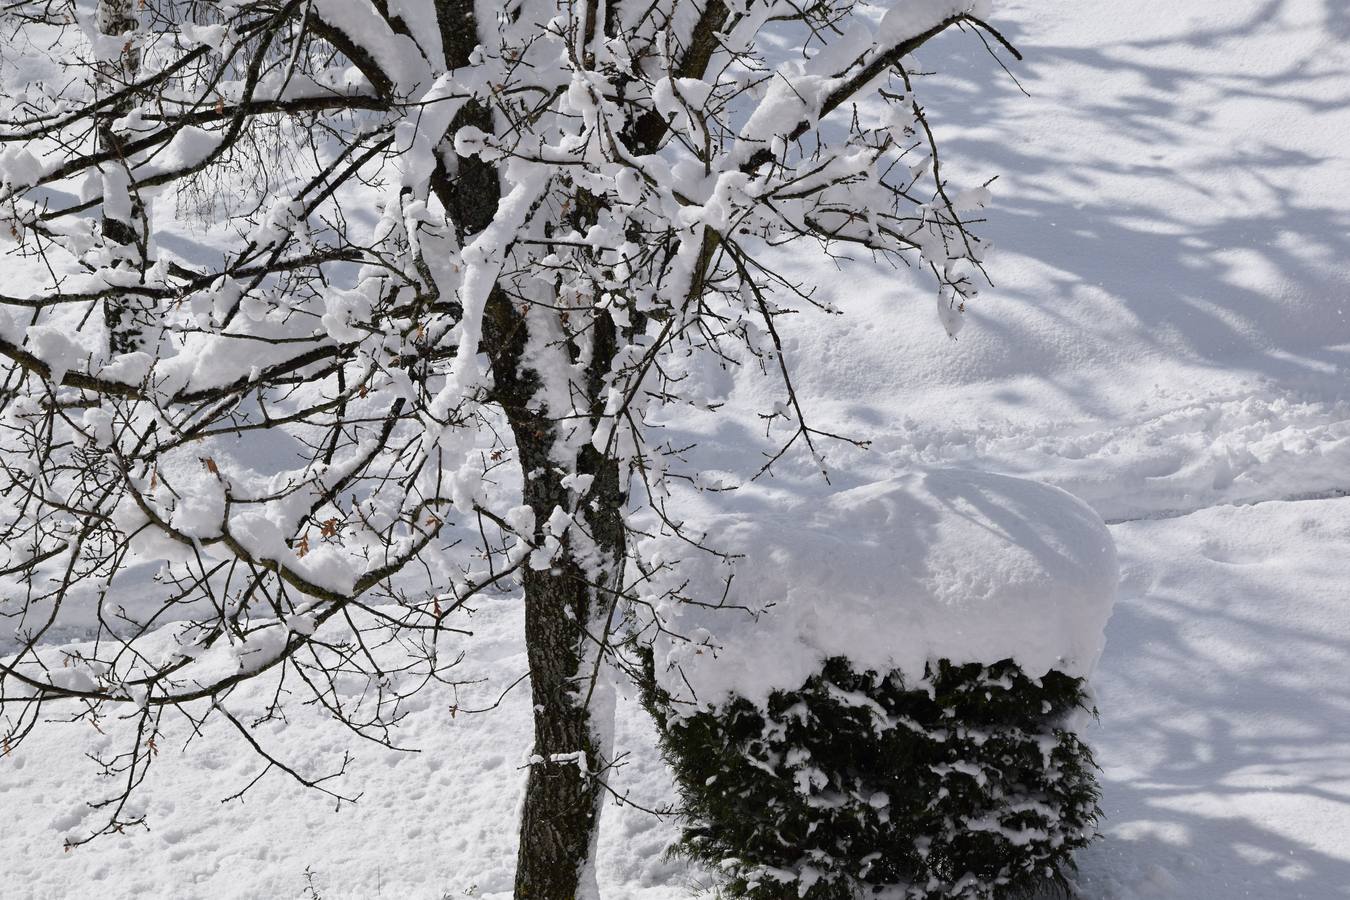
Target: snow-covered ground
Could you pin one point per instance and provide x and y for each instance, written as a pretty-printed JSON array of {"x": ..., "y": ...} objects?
[
  {"x": 1169, "y": 340},
  {"x": 1224, "y": 742},
  {"x": 1224, "y": 737}
]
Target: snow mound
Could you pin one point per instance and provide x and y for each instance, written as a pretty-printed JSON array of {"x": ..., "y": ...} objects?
[{"x": 939, "y": 564}]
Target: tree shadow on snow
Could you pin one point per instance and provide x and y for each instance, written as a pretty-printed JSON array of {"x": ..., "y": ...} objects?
[
  {"x": 1193, "y": 229},
  {"x": 1225, "y": 730}
]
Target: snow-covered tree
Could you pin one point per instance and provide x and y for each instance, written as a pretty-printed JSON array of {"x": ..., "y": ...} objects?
[{"x": 333, "y": 314}]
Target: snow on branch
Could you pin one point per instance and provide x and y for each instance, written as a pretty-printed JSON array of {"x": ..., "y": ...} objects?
[{"x": 333, "y": 315}]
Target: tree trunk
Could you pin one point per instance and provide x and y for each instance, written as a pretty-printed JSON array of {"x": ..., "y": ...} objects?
[
  {"x": 120, "y": 314},
  {"x": 565, "y": 615},
  {"x": 562, "y": 792}
]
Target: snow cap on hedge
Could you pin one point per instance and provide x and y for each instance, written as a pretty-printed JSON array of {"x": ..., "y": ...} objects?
[{"x": 941, "y": 564}]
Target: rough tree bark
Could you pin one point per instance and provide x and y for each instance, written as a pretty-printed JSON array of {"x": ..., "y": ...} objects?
[
  {"x": 561, "y": 605},
  {"x": 562, "y": 793}
]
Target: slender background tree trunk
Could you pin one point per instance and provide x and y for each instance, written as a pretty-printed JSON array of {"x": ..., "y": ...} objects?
[{"x": 115, "y": 19}]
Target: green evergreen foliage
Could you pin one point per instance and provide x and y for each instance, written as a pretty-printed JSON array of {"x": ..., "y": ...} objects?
[{"x": 967, "y": 785}]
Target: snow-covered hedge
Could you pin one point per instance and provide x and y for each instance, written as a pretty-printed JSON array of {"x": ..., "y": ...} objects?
[
  {"x": 966, "y": 784},
  {"x": 876, "y": 693}
]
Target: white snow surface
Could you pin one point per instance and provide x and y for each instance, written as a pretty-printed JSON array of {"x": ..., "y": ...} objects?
[
  {"x": 1224, "y": 742},
  {"x": 940, "y": 564},
  {"x": 1168, "y": 340},
  {"x": 1224, "y": 737}
]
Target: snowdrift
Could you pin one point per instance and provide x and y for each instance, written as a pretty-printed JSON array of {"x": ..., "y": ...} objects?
[{"x": 947, "y": 564}]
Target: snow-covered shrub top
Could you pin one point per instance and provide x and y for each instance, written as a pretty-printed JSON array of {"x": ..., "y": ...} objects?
[{"x": 943, "y": 564}]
